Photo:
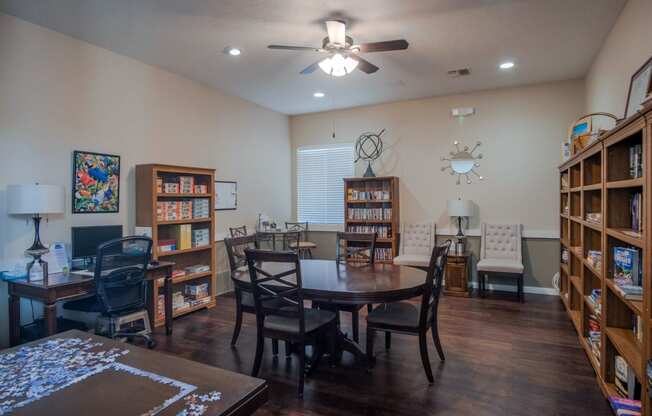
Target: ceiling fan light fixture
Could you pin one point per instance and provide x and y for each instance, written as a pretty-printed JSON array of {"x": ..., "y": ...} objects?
[{"x": 337, "y": 65}]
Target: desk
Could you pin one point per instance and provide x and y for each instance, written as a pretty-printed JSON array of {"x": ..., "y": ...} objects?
[
  {"x": 61, "y": 288},
  {"x": 106, "y": 377}
]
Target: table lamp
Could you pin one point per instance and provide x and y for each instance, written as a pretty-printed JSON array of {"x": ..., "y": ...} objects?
[
  {"x": 460, "y": 208},
  {"x": 35, "y": 200}
]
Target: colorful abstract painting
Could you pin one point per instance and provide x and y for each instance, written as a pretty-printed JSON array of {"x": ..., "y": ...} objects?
[{"x": 95, "y": 183}]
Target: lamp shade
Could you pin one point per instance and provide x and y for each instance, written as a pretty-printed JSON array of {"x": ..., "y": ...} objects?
[
  {"x": 35, "y": 199},
  {"x": 460, "y": 208}
]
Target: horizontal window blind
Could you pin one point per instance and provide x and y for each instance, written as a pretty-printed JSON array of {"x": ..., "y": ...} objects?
[{"x": 320, "y": 189}]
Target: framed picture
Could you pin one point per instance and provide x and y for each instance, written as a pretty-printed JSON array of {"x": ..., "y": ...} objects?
[
  {"x": 95, "y": 183},
  {"x": 226, "y": 195},
  {"x": 639, "y": 88}
]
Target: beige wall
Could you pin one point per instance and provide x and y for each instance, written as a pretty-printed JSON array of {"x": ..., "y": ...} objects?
[
  {"x": 625, "y": 50},
  {"x": 58, "y": 94},
  {"x": 520, "y": 129}
]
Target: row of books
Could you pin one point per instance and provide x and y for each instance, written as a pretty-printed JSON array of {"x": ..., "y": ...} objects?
[
  {"x": 625, "y": 380},
  {"x": 625, "y": 407},
  {"x": 594, "y": 300},
  {"x": 595, "y": 217},
  {"x": 384, "y": 253},
  {"x": 382, "y": 194},
  {"x": 183, "y": 301},
  {"x": 195, "y": 268},
  {"x": 384, "y": 214},
  {"x": 382, "y": 231},
  {"x": 565, "y": 255},
  {"x": 636, "y": 208},
  {"x": 628, "y": 272},
  {"x": 595, "y": 334},
  {"x": 636, "y": 161},
  {"x": 182, "y": 210},
  {"x": 594, "y": 258},
  {"x": 180, "y": 185},
  {"x": 186, "y": 238}
]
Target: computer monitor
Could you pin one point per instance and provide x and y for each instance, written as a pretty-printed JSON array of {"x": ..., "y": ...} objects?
[{"x": 85, "y": 240}]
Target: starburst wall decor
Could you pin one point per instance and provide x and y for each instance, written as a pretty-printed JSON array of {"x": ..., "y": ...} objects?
[{"x": 462, "y": 162}]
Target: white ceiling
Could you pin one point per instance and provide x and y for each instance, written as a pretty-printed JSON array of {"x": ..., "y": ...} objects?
[{"x": 549, "y": 40}]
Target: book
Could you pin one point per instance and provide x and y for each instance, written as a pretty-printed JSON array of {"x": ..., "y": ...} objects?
[
  {"x": 626, "y": 266},
  {"x": 625, "y": 379},
  {"x": 620, "y": 404}
]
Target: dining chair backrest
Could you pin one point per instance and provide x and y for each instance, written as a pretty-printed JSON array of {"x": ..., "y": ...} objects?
[
  {"x": 240, "y": 231},
  {"x": 292, "y": 241},
  {"x": 235, "y": 250},
  {"x": 278, "y": 294},
  {"x": 363, "y": 249},
  {"x": 434, "y": 279},
  {"x": 119, "y": 275},
  {"x": 300, "y": 227}
]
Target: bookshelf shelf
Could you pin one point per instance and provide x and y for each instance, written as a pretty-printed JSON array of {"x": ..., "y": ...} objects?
[
  {"x": 183, "y": 195},
  {"x": 372, "y": 205},
  {"x": 626, "y": 183},
  {"x": 186, "y": 221},
  {"x": 159, "y": 212},
  {"x": 604, "y": 210},
  {"x": 188, "y": 250},
  {"x": 625, "y": 343}
]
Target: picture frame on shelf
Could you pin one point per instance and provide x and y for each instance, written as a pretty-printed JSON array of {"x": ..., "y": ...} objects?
[
  {"x": 640, "y": 88},
  {"x": 226, "y": 195},
  {"x": 580, "y": 134},
  {"x": 95, "y": 183}
]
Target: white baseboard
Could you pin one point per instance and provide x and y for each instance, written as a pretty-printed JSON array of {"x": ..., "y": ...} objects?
[{"x": 526, "y": 289}]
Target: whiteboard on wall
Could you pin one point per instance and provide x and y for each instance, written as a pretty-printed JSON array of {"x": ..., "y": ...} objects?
[{"x": 226, "y": 195}]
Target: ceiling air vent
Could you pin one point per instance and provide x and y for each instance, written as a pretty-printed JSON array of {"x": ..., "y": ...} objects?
[{"x": 459, "y": 72}]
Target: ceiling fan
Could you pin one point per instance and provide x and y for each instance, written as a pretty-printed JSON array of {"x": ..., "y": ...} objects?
[{"x": 343, "y": 53}]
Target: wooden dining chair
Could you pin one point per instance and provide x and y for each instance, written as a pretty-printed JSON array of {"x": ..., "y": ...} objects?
[
  {"x": 360, "y": 249},
  {"x": 280, "y": 311},
  {"x": 240, "y": 231},
  {"x": 301, "y": 245},
  {"x": 406, "y": 318},
  {"x": 244, "y": 300}
]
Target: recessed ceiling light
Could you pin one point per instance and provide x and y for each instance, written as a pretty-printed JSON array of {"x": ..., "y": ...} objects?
[
  {"x": 507, "y": 65},
  {"x": 318, "y": 94},
  {"x": 230, "y": 50}
]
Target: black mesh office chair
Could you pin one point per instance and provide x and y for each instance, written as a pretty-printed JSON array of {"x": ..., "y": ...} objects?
[{"x": 120, "y": 289}]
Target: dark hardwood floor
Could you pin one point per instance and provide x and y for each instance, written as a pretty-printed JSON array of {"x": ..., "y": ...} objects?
[{"x": 502, "y": 358}]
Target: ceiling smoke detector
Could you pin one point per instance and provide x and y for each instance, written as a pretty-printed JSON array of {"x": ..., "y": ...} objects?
[{"x": 459, "y": 72}]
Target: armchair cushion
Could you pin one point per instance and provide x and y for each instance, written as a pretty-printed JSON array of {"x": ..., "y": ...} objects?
[
  {"x": 418, "y": 260},
  {"x": 500, "y": 266}
]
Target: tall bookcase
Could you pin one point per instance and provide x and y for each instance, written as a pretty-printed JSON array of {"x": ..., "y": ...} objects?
[
  {"x": 598, "y": 181},
  {"x": 372, "y": 204},
  {"x": 151, "y": 198}
]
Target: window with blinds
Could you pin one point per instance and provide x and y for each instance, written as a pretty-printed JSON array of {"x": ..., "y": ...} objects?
[{"x": 320, "y": 189}]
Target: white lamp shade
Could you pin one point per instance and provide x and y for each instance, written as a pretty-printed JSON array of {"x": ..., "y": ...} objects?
[
  {"x": 460, "y": 208},
  {"x": 35, "y": 199}
]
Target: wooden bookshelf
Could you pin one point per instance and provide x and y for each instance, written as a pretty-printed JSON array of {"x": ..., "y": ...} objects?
[
  {"x": 598, "y": 180},
  {"x": 148, "y": 196},
  {"x": 380, "y": 193}
]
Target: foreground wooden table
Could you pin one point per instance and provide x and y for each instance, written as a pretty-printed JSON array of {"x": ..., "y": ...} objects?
[{"x": 138, "y": 382}]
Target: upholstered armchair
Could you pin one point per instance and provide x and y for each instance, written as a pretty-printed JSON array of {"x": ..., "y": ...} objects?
[
  {"x": 417, "y": 242},
  {"x": 501, "y": 254}
]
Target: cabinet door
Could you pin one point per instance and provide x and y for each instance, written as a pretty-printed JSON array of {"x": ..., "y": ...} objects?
[{"x": 456, "y": 276}]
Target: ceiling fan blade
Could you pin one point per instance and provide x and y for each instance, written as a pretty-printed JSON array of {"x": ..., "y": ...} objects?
[
  {"x": 390, "y": 45},
  {"x": 295, "y": 48},
  {"x": 364, "y": 65},
  {"x": 336, "y": 32},
  {"x": 311, "y": 68}
]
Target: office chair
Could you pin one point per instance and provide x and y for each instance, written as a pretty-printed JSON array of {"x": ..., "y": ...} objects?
[{"x": 120, "y": 290}]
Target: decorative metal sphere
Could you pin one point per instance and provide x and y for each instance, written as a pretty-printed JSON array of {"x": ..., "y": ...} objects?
[{"x": 369, "y": 146}]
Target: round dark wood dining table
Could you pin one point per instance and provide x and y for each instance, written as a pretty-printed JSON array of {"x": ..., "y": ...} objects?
[{"x": 329, "y": 281}]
